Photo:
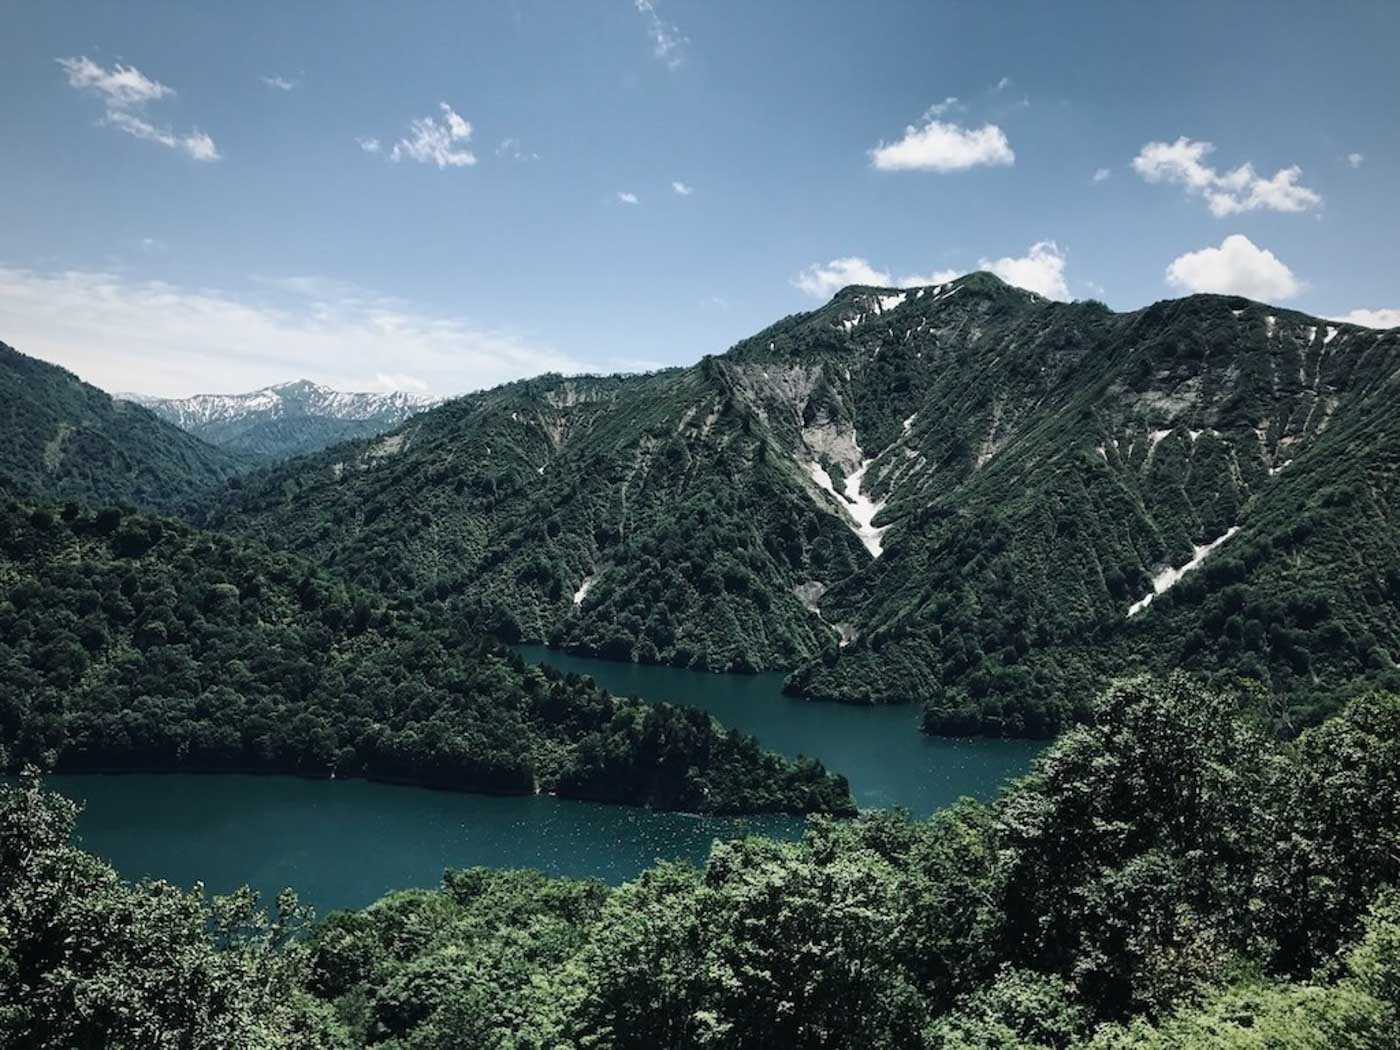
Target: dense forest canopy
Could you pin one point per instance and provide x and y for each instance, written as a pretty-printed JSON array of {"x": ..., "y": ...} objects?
[
  {"x": 1168, "y": 876},
  {"x": 61, "y": 439},
  {"x": 136, "y": 642}
]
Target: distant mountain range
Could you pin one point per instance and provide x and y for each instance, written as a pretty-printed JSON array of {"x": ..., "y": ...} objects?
[
  {"x": 287, "y": 419},
  {"x": 963, "y": 494}
]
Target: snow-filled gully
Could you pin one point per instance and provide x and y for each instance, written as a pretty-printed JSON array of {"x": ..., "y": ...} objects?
[
  {"x": 1169, "y": 577},
  {"x": 860, "y": 508}
]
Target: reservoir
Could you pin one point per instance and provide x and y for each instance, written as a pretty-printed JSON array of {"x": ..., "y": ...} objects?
[{"x": 343, "y": 843}]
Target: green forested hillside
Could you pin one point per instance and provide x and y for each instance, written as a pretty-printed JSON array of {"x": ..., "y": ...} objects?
[
  {"x": 61, "y": 439},
  {"x": 656, "y": 492},
  {"x": 1168, "y": 876},
  {"x": 959, "y": 494},
  {"x": 133, "y": 642}
]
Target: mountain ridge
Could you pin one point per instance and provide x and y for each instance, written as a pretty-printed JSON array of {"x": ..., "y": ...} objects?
[
  {"x": 1026, "y": 468},
  {"x": 286, "y": 419},
  {"x": 63, "y": 439}
]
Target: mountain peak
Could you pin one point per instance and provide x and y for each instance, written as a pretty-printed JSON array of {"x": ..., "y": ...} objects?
[{"x": 287, "y": 418}]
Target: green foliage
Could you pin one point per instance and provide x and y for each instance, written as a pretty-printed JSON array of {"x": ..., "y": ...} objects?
[
  {"x": 87, "y": 960},
  {"x": 129, "y": 642},
  {"x": 1153, "y": 883},
  {"x": 62, "y": 439}
]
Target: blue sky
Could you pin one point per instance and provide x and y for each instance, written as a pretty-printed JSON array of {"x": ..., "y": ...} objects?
[{"x": 188, "y": 203}]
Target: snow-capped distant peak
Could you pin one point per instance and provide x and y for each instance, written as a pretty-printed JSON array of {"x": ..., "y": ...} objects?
[
  {"x": 286, "y": 418},
  {"x": 300, "y": 397}
]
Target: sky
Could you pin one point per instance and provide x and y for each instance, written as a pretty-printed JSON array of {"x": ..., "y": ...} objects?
[{"x": 440, "y": 197}]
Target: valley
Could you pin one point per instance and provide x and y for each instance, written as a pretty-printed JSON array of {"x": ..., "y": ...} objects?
[{"x": 767, "y": 647}]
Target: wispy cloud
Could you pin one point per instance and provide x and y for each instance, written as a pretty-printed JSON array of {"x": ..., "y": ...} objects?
[
  {"x": 511, "y": 149},
  {"x": 430, "y": 140},
  {"x": 126, "y": 91},
  {"x": 667, "y": 41},
  {"x": 1355, "y": 160},
  {"x": 623, "y": 197},
  {"x": 278, "y": 83},
  {"x": 681, "y": 188},
  {"x": 942, "y": 146},
  {"x": 1241, "y": 189},
  {"x": 1041, "y": 270},
  {"x": 1387, "y": 317},
  {"x": 120, "y": 87},
  {"x": 160, "y": 338},
  {"x": 196, "y": 144},
  {"x": 823, "y": 280},
  {"x": 1237, "y": 267},
  {"x": 1101, "y": 175}
]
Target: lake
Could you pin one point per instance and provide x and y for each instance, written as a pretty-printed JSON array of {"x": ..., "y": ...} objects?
[{"x": 342, "y": 843}]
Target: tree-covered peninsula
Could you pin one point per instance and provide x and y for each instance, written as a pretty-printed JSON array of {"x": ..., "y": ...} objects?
[{"x": 135, "y": 642}]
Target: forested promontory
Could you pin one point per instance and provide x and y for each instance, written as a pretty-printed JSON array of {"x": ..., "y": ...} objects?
[{"x": 136, "y": 642}]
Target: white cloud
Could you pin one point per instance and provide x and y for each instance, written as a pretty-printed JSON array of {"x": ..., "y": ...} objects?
[
  {"x": 196, "y": 144},
  {"x": 1383, "y": 318},
  {"x": 824, "y": 280},
  {"x": 279, "y": 83},
  {"x": 940, "y": 146},
  {"x": 682, "y": 189},
  {"x": 1356, "y": 159},
  {"x": 1183, "y": 162},
  {"x": 511, "y": 148},
  {"x": 922, "y": 280},
  {"x": 1237, "y": 267},
  {"x": 667, "y": 41},
  {"x": 626, "y": 198},
  {"x": 1040, "y": 270},
  {"x": 126, "y": 91},
  {"x": 369, "y": 145},
  {"x": 433, "y": 141},
  {"x": 1003, "y": 84},
  {"x": 158, "y": 338},
  {"x": 120, "y": 87},
  {"x": 1100, "y": 174},
  {"x": 948, "y": 105}
]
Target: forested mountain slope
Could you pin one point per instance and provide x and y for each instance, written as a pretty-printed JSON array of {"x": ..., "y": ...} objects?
[
  {"x": 62, "y": 439},
  {"x": 961, "y": 494},
  {"x": 134, "y": 642},
  {"x": 286, "y": 419}
]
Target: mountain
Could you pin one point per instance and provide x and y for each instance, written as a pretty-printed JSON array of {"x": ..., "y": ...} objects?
[
  {"x": 287, "y": 419},
  {"x": 964, "y": 494},
  {"x": 61, "y": 439},
  {"x": 137, "y": 642}
]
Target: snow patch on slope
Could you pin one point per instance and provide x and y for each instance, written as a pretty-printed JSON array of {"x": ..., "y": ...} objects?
[
  {"x": 1169, "y": 577},
  {"x": 858, "y": 507}
]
